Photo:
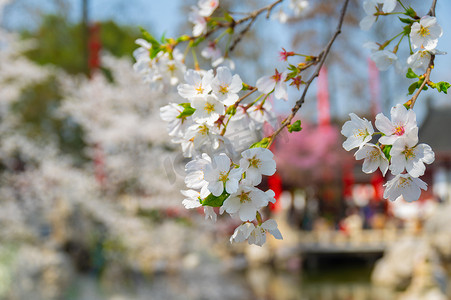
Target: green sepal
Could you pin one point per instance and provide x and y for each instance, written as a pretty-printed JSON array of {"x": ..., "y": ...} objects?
[
  {"x": 406, "y": 20},
  {"x": 296, "y": 126},
  {"x": 411, "y": 74},
  {"x": 411, "y": 13},
  {"x": 231, "y": 110},
  {"x": 261, "y": 144},
  {"x": 386, "y": 151},
  {"x": 214, "y": 201},
  {"x": 407, "y": 29},
  {"x": 187, "y": 111}
]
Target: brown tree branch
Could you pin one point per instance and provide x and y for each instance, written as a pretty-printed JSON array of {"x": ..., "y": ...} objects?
[{"x": 320, "y": 61}]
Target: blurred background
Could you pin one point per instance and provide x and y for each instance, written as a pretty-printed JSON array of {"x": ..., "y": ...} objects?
[{"x": 90, "y": 203}]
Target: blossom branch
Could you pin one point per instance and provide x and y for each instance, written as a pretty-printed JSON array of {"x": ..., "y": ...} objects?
[
  {"x": 426, "y": 75},
  {"x": 320, "y": 61}
]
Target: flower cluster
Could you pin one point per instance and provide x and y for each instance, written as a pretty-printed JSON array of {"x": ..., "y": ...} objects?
[
  {"x": 397, "y": 150},
  {"x": 163, "y": 68},
  {"x": 423, "y": 34},
  {"x": 225, "y": 170}
]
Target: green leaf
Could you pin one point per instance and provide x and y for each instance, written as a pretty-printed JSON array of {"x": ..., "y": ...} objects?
[
  {"x": 443, "y": 86},
  {"x": 406, "y": 20},
  {"x": 148, "y": 37},
  {"x": 228, "y": 17},
  {"x": 414, "y": 86},
  {"x": 214, "y": 201},
  {"x": 296, "y": 126},
  {"x": 386, "y": 151},
  {"x": 261, "y": 144},
  {"x": 187, "y": 111},
  {"x": 163, "y": 38},
  {"x": 411, "y": 74}
]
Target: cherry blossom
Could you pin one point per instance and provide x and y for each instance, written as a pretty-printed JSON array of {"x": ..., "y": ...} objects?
[
  {"x": 370, "y": 7},
  {"x": 207, "y": 7},
  {"x": 257, "y": 162},
  {"x": 276, "y": 82},
  {"x": 419, "y": 61},
  {"x": 402, "y": 122},
  {"x": 298, "y": 6},
  {"x": 208, "y": 109},
  {"x": 258, "y": 235},
  {"x": 406, "y": 154},
  {"x": 245, "y": 202},
  {"x": 242, "y": 232},
  {"x": 200, "y": 24},
  {"x": 405, "y": 186},
  {"x": 225, "y": 86},
  {"x": 387, "y": 5},
  {"x": 358, "y": 132},
  {"x": 196, "y": 84},
  {"x": 194, "y": 170},
  {"x": 220, "y": 176},
  {"x": 383, "y": 59},
  {"x": 425, "y": 33},
  {"x": 374, "y": 158}
]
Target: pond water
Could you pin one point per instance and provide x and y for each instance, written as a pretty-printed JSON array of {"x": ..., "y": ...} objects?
[{"x": 352, "y": 283}]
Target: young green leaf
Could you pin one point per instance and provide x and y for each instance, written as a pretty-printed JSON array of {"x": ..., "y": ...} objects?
[
  {"x": 214, "y": 201},
  {"x": 411, "y": 74},
  {"x": 296, "y": 126},
  {"x": 261, "y": 144}
]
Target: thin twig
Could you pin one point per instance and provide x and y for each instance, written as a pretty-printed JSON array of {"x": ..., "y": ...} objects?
[
  {"x": 432, "y": 10},
  {"x": 241, "y": 34},
  {"x": 321, "y": 59},
  {"x": 427, "y": 75}
]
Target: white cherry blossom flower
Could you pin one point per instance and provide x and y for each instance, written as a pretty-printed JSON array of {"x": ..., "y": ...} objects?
[
  {"x": 358, "y": 132},
  {"x": 210, "y": 213},
  {"x": 388, "y": 5},
  {"x": 193, "y": 198},
  {"x": 370, "y": 7},
  {"x": 257, "y": 162},
  {"x": 225, "y": 86},
  {"x": 406, "y": 154},
  {"x": 276, "y": 82},
  {"x": 405, "y": 186},
  {"x": 258, "y": 235},
  {"x": 200, "y": 138},
  {"x": 419, "y": 61},
  {"x": 425, "y": 34},
  {"x": 194, "y": 170},
  {"x": 280, "y": 16},
  {"x": 219, "y": 175},
  {"x": 176, "y": 126},
  {"x": 223, "y": 62},
  {"x": 207, "y": 7},
  {"x": 402, "y": 122},
  {"x": 208, "y": 109},
  {"x": 383, "y": 59},
  {"x": 245, "y": 202},
  {"x": 374, "y": 158},
  {"x": 171, "y": 69},
  {"x": 200, "y": 24},
  {"x": 196, "y": 84},
  {"x": 242, "y": 232}
]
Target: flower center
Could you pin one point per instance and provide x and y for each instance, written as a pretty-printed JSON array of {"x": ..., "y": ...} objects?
[
  {"x": 399, "y": 130},
  {"x": 254, "y": 162},
  {"x": 361, "y": 133},
  {"x": 277, "y": 77},
  {"x": 223, "y": 176},
  {"x": 408, "y": 153},
  {"x": 404, "y": 182},
  {"x": 203, "y": 129},
  {"x": 224, "y": 89},
  {"x": 424, "y": 31},
  {"x": 209, "y": 107},
  {"x": 244, "y": 197},
  {"x": 199, "y": 89}
]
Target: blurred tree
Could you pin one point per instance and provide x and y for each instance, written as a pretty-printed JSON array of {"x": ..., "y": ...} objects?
[{"x": 60, "y": 43}]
